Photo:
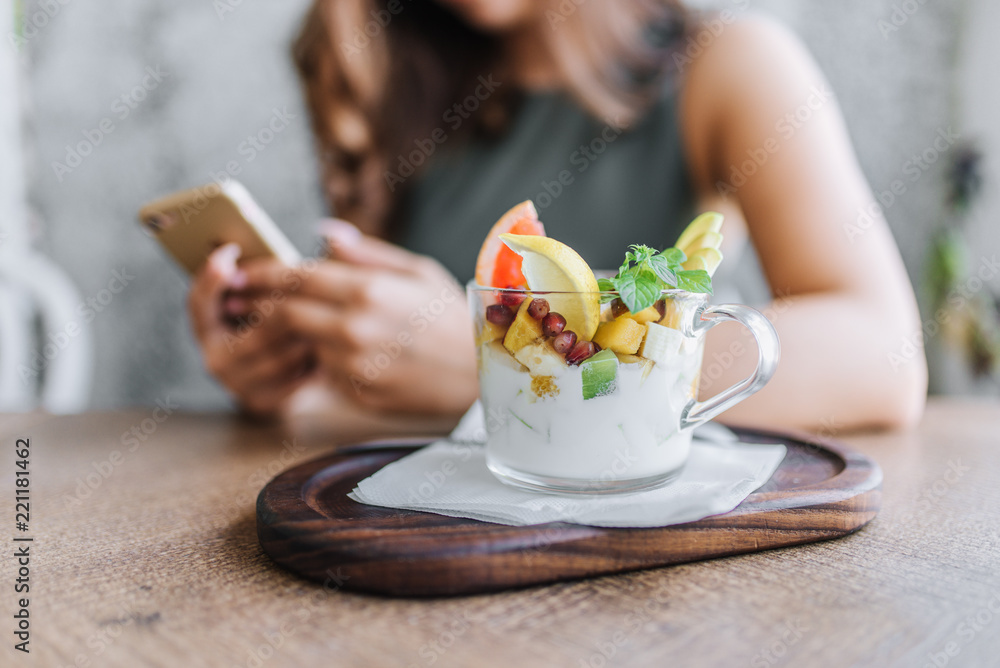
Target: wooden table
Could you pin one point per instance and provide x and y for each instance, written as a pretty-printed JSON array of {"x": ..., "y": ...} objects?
[{"x": 145, "y": 554}]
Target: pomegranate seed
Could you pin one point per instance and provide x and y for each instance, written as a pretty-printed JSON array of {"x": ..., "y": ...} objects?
[
  {"x": 538, "y": 308},
  {"x": 511, "y": 299},
  {"x": 581, "y": 352},
  {"x": 500, "y": 314},
  {"x": 661, "y": 307},
  {"x": 553, "y": 324},
  {"x": 618, "y": 307},
  {"x": 564, "y": 342}
]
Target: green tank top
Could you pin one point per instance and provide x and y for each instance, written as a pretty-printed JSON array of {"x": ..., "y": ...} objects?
[{"x": 596, "y": 188}]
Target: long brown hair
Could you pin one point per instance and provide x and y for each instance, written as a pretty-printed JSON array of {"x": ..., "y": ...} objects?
[{"x": 378, "y": 74}]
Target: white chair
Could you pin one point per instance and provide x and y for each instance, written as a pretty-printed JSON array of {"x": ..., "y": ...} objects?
[
  {"x": 33, "y": 290},
  {"x": 36, "y": 371}
]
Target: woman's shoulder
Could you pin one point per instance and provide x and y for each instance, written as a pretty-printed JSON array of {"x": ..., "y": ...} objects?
[
  {"x": 753, "y": 55},
  {"x": 740, "y": 75}
]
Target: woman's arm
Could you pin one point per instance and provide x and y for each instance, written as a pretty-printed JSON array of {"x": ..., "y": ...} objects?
[{"x": 765, "y": 138}]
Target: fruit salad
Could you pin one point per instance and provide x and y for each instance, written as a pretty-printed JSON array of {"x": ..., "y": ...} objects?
[{"x": 585, "y": 378}]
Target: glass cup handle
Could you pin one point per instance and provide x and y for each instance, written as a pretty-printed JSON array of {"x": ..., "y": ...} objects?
[{"x": 768, "y": 353}]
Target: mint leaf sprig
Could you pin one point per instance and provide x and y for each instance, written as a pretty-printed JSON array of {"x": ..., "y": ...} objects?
[{"x": 646, "y": 272}]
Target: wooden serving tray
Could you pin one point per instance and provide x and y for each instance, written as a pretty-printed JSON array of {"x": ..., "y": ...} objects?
[{"x": 306, "y": 523}]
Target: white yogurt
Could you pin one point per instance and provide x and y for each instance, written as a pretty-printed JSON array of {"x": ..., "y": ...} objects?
[{"x": 630, "y": 433}]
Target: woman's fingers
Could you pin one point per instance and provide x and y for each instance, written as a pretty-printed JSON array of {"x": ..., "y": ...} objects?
[
  {"x": 205, "y": 298},
  {"x": 347, "y": 244},
  {"x": 262, "y": 383},
  {"x": 235, "y": 305},
  {"x": 247, "y": 339},
  {"x": 356, "y": 260},
  {"x": 244, "y": 343},
  {"x": 274, "y": 365},
  {"x": 268, "y": 397},
  {"x": 324, "y": 280},
  {"x": 325, "y": 325}
]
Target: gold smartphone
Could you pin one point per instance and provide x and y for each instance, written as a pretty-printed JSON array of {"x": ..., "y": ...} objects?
[{"x": 193, "y": 223}]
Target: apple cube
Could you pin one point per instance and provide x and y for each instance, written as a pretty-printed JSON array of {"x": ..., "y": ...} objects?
[
  {"x": 644, "y": 364},
  {"x": 494, "y": 353},
  {"x": 541, "y": 359}
]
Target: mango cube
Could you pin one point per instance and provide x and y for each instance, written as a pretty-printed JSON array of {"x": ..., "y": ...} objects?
[
  {"x": 523, "y": 331},
  {"x": 623, "y": 335},
  {"x": 490, "y": 332},
  {"x": 646, "y": 315}
]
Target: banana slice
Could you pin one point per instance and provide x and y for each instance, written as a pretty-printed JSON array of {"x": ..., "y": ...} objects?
[{"x": 662, "y": 344}]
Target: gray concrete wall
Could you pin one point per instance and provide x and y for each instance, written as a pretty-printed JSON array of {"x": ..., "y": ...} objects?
[
  {"x": 13, "y": 206},
  {"x": 978, "y": 111},
  {"x": 216, "y": 81},
  {"x": 221, "y": 77}
]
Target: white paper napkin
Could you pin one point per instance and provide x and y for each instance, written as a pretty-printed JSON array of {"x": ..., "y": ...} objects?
[{"x": 450, "y": 477}]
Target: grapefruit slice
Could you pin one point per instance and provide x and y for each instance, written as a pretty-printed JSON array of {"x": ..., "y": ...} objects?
[{"x": 498, "y": 266}]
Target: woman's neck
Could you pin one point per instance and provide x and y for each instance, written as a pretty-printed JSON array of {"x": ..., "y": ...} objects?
[{"x": 531, "y": 61}]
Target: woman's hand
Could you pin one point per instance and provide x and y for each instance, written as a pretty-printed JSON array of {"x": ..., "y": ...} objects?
[
  {"x": 390, "y": 328},
  {"x": 261, "y": 364}
]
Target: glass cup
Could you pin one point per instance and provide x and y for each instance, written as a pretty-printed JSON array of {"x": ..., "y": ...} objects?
[{"x": 619, "y": 421}]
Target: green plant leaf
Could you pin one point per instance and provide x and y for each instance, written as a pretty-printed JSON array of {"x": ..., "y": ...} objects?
[
  {"x": 674, "y": 256},
  {"x": 661, "y": 266},
  {"x": 646, "y": 272},
  {"x": 607, "y": 285},
  {"x": 626, "y": 287},
  {"x": 695, "y": 280},
  {"x": 639, "y": 290},
  {"x": 647, "y": 292}
]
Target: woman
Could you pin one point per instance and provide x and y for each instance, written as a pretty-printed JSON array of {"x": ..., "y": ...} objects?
[{"x": 621, "y": 120}]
